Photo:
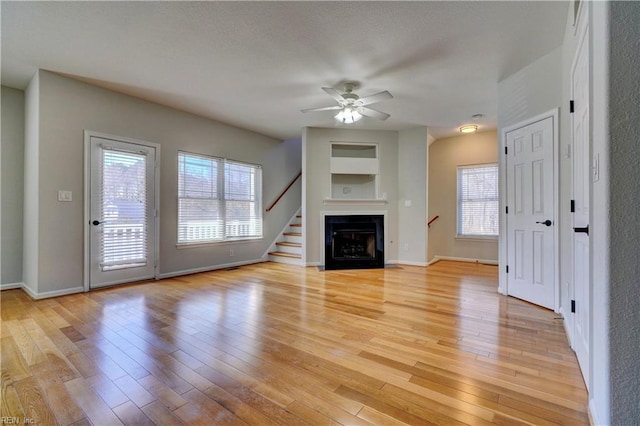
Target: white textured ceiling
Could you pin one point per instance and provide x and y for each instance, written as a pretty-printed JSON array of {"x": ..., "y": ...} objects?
[{"x": 257, "y": 64}]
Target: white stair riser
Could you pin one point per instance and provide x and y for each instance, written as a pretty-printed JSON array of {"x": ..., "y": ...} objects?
[
  {"x": 293, "y": 239},
  {"x": 288, "y": 260},
  {"x": 289, "y": 249}
]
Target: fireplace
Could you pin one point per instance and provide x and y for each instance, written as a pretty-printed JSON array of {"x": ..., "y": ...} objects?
[{"x": 354, "y": 241}]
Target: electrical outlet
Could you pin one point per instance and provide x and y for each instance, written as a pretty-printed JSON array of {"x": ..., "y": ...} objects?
[
  {"x": 405, "y": 247},
  {"x": 232, "y": 253},
  {"x": 65, "y": 196}
]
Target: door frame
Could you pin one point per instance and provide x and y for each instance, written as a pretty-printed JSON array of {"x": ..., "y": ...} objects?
[
  {"x": 88, "y": 134},
  {"x": 503, "y": 258}
]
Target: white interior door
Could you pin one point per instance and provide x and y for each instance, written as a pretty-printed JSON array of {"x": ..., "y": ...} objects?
[
  {"x": 531, "y": 212},
  {"x": 581, "y": 178},
  {"x": 122, "y": 212}
]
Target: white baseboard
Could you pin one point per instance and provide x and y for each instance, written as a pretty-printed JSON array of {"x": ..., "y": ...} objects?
[
  {"x": 208, "y": 268},
  {"x": 593, "y": 414},
  {"x": 464, "y": 259},
  {"x": 54, "y": 293},
  {"x": 567, "y": 332},
  {"x": 313, "y": 264},
  {"x": 408, "y": 263},
  {"x": 10, "y": 286}
]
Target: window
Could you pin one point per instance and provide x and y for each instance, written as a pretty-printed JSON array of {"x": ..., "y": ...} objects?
[
  {"x": 478, "y": 200},
  {"x": 218, "y": 199}
]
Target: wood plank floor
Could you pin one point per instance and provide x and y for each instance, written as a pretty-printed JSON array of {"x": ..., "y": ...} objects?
[{"x": 278, "y": 344}]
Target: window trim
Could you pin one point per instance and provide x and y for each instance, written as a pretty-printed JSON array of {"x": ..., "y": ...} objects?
[
  {"x": 221, "y": 193},
  {"x": 477, "y": 237}
]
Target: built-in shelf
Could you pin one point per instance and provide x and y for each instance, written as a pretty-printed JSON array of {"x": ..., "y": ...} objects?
[{"x": 354, "y": 171}]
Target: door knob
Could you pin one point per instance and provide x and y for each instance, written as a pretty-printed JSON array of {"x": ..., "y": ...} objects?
[
  {"x": 546, "y": 223},
  {"x": 96, "y": 222}
]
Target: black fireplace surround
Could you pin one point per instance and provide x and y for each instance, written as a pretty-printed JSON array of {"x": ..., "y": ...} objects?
[{"x": 354, "y": 242}]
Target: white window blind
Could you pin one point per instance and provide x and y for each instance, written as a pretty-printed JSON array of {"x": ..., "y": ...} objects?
[
  {"x": 218, "y": 199},
  {"x": 123, "y": 200},
  {"x": 478, "y": 200}
]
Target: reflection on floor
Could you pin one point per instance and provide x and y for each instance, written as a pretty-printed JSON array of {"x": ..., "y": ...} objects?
[{"x": 280, "y": 344}]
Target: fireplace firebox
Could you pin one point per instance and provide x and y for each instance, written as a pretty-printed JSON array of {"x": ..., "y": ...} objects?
[{"x": 354, "y": 241}]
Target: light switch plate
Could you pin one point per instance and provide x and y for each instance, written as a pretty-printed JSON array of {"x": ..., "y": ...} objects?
[
  {"x": 407, "y": 203},
  {"x": 65, "y": 196}
]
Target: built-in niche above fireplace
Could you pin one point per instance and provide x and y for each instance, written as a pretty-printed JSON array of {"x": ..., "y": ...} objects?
[{"x": 354, "y": 241}]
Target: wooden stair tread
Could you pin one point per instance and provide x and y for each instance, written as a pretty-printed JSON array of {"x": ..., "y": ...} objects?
[
  {"x": 283, "y": 254},
  {"x": 288, "y": 244},
  {"x": 297, "y": 225},
  {"x": 293, "y": 234}
]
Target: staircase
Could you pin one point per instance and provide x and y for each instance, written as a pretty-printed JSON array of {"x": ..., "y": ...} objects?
[{"x": 288, "y": 248}]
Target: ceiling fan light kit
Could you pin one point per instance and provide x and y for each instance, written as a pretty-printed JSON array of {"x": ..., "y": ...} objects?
[
  {"x": 348, "y": 115},
  {"x": 351, "y": 106}
]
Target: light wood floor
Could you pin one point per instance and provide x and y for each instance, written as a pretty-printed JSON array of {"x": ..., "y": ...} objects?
[{"x": 277, "y": 344}]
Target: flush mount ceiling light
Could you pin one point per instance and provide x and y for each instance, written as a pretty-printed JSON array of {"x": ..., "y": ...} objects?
[{"x": 469, "y": 128}]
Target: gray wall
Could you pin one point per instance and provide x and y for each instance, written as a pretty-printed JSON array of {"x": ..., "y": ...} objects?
[
  {"x": 413, "y": 161},
  {"x": 445, "y": 155},
  {"x": 624, "y": 211},
  {"x": 12, "y": 179},
  {"x": 316, "y": 143},
  {"x": 67, "y": 107},
  {"x": 397, "y": 150}
]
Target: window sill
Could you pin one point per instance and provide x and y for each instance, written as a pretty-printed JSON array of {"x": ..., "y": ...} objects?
[
  {"x": 477, "y": 238},
  {"x": 200, "y": 244}
]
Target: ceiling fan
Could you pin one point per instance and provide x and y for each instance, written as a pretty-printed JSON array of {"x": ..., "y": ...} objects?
[{"x": 351, "y": 106}]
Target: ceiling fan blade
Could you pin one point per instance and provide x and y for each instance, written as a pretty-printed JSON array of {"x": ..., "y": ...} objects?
[
  {"x": 370, "y": 112},
  {"x": 333, "y": 93},
  {"x": 378, "y": 97},
  {"x": 329, "y": 108}
]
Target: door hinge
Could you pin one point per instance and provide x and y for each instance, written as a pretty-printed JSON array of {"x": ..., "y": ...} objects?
[
  {"x": 506, "y": 209},
  {"x": 571, "y": 107},
  {"x": 573, "y": 306},
  {"x": 507, "y": 269},
  {"x": 573, "y": 206},
  {"x": 505, "y": 150}
]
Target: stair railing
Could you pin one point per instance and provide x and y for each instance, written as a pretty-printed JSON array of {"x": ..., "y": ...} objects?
[
  {"x": 284, "y": 191},
  {"x": 432, "y": 220}
]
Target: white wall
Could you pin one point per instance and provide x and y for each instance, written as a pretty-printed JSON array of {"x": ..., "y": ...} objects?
[
  {"x": 12, "y": 180},
  {"x": 532, "y": 91},
  {"x": 413, "y": 160},
  {"x": 66, "y": 108},
  {"x": 599, "y": 226},
  {"x": 445, "y": 155},
  {"x": 30, "y": 262},
  {"x": 535, "y": 89}
]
